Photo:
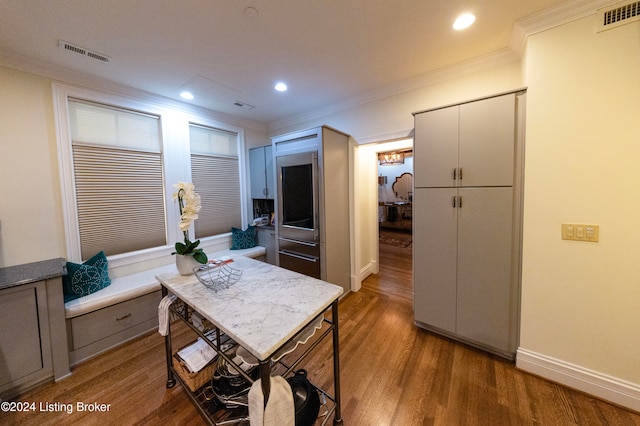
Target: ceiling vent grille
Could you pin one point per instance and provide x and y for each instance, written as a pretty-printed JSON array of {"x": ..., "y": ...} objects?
[
  {"x": 82, "y": 51},
  {"x": 618, "y": 14}
]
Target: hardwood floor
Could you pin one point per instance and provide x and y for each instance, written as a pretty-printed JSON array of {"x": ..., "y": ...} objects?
[{"x": 392, "y": 373}]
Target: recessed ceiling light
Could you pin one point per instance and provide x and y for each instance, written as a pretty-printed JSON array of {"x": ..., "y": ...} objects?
[
  {"x": 464, "y": 21},
  {"x": 186, "y": 95},
  {"x": 281, "y": 87}
]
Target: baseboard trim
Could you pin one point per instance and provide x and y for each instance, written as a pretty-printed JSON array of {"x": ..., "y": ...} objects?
[{"x": 606, "y": 387}]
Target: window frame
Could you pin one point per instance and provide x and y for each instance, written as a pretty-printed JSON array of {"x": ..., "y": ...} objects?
[{"x": 175, "y": 119}]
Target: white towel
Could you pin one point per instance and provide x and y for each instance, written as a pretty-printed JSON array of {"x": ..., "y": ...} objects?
[
  {"x": 280, "y": 410},
  {"x": 163, "y": 314}
]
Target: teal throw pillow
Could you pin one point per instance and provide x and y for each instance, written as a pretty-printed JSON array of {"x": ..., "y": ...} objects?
[
  {"x": 86, "y": 278},
  {"x": 243, "y": 239}
]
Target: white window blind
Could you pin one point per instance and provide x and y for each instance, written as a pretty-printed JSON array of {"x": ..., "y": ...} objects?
[
  {"x": 216, "y": 176},
  {"x": 117, "y": 165}
]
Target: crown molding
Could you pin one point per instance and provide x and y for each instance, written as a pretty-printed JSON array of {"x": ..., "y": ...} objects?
[
  {"x": 68, "y": 76},
  {"x": 523, "y": 28},
  {"x": 552, "y": 18},
  {"x": 470, "y": 66}
]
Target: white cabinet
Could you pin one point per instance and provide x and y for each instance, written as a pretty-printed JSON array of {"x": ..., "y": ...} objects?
[
  {"x": 466, "y": 145},
  {"x": 262, "y": 172},
  {"x": 466, "y": 221}
]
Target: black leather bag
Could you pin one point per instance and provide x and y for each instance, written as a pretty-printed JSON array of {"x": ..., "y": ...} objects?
[{"x": 305, "y": 399}]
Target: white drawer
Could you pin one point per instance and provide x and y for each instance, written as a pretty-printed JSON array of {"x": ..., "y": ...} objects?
[{"x": 100, "y": 324}]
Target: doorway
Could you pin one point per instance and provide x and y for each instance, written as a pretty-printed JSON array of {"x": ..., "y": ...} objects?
[{"x": 395, "y": 221}]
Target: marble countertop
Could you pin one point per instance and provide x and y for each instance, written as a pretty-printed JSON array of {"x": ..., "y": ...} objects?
[
  {"x": 264, "y": 309},
  {"x": 12, "y": 276}
]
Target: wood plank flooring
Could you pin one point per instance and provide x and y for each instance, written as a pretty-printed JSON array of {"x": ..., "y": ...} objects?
[{"x": 392, "y": 374}]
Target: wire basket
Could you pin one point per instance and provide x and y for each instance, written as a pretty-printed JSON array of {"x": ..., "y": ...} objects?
[{"x": 217, "y": 277}]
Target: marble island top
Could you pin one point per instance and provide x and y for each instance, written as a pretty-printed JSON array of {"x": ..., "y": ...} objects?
[{"x": 264, "y": 309}]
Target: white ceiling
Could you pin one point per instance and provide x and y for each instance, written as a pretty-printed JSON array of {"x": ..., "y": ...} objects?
[{"x": 327, "y": 51}]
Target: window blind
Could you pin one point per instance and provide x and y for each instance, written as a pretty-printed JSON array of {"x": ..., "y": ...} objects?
[
  {"x": 217, "y": 180},
  {"x": 216, "y": 176},
  {"x": 118, "y": 179}
]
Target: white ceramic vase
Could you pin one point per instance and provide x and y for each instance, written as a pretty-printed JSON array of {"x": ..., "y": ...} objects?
[{"x": 185, "y": 264}]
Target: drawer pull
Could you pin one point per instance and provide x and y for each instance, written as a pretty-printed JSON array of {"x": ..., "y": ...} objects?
[{"x": 123, "y": 317}]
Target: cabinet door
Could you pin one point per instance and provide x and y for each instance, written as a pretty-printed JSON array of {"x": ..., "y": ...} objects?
[
  {"x": 21, "y": 351},
  {"x": 484, "y": 266},
  {"x": 256, "y": 168},
  {"x": 269, "y": 172},
  {"x": 436, "y": 148},
  {"x": 434, "y": 257},
  {"x": 487, "y": 140}
]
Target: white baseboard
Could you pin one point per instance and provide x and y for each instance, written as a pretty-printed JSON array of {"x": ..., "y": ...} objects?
[{"x": 609, "y": 388}]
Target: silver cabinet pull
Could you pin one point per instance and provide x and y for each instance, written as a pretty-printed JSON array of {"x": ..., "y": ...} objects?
[
  {"x": 299, "y": 256},
  {"x": 304, "y": 243}
]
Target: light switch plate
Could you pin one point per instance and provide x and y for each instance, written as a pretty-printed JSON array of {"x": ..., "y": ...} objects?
[{"x": 581, "y": 232}]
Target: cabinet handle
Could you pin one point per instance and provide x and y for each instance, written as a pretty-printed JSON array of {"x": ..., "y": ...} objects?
[
  {"x": 123, "y": 317},
  {"x": 460, "y": 173},
  {"x": 454, "y": 174},
  {"x": 453, "y": 202},
  {"x": 460, "y": 202}
]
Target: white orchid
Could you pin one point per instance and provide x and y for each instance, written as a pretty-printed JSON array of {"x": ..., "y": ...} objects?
[{"x": 189, "y": 204}]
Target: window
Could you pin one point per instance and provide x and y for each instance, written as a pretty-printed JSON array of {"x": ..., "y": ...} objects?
[
  {"x": 215, "y": 174},
  {"x": 119, "y": 188},
  {"x": 119, "y": 159}
]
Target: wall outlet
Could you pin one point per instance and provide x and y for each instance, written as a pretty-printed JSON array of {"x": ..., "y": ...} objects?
[{"x": 581, "y": 232}]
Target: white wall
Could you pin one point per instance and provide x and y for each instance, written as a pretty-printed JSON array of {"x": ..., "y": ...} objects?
[
  {"x": 31, "y": 226},
  {"x": 581, "y": 301}
]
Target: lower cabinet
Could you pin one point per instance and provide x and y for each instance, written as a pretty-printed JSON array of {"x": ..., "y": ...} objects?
[
  {"x": 31, "y": 330},
  {"x": 267, "y": 239},
  {"x": 97, "y": 331},
  {"x": 463, "y": 268}
]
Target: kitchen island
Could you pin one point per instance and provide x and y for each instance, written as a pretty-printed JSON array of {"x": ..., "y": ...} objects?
[{"x": 263, "y": 312}]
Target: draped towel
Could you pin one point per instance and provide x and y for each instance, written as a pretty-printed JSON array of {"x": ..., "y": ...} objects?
[
  {"x": 280, "y": 410},
  {"x": 163, "y": 314}
]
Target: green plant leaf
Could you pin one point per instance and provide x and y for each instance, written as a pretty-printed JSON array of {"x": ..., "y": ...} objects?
[
  {"x": 180, "y": 248},
  {"x": 200, "y": 256}
]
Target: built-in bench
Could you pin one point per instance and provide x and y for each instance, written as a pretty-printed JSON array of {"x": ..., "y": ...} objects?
[{"x": 125, "y": 309}]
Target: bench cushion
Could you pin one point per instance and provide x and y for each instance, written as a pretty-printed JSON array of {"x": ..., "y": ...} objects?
[{"x": 138, "y": 284}]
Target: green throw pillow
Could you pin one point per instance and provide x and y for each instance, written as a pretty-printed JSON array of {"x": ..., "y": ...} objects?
[
  {"x": 243, "y": 239},
  {"x": 86, "y": 278}
]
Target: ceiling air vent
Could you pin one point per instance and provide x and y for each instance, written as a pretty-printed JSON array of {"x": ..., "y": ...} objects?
[
  {"x": 244, "y": 105},
  {"x": 618, "y": 14},
  {"x": 82, "y": 51}
]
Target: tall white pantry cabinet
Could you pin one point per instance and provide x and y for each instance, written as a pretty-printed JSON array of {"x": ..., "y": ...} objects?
[{"x": 467, "y": 221}]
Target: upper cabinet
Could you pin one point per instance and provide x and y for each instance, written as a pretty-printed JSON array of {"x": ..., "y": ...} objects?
[
  {"x": 466, "y": 145},
  {"x": 262, "y": 172}
]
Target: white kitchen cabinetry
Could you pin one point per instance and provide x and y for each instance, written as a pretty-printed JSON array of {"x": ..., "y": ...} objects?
[
  {"x": 262, "y": 173},
  {"x": 466, "y": 145},
  {"x": 467, "y": 220}
]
